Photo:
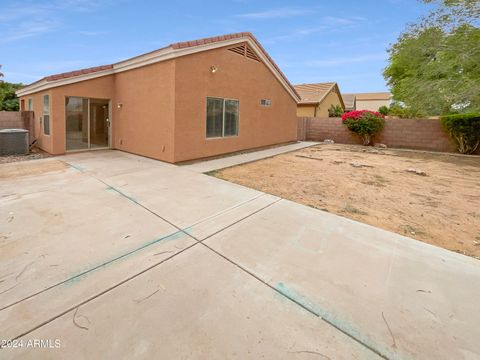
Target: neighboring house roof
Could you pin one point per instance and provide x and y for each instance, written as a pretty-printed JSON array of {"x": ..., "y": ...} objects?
[
  {"x": 374, "y": 96},
  {"x": 312, "y": 94},
  {"x": 166, "y": 53},
  {"x": 349, "y": 100}
]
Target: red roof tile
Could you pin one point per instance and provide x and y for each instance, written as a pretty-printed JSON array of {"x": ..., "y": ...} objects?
[{"x": 77, "y": 72}]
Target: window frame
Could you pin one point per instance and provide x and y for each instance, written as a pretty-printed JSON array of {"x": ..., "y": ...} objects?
[
  {"x": 30, "y": 104},
  {"x": 266, "y": 102},
  {"x": 223, "y": 118},
  {"x": 47, "y": 113}
]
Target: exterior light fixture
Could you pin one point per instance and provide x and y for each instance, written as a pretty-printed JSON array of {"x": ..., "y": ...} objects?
[
  {"x": 213, "y": 69},
  {"x": 119, "y": 106}
]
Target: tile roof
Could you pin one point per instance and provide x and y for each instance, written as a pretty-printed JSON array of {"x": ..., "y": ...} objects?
[
  {"x": 314, "y": 93},
  {"x": 374, "y": 96},
  {"x": 77, "y": 72},
  {"x": 175, "y": 46}
]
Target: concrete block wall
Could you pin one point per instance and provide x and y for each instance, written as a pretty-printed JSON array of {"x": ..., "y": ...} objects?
[
  {"x": 18, "y": 120},
  {"x": 419, "y": 134}
]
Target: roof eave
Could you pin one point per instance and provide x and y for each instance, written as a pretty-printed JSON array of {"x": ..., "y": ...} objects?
[{"x": 164, "y": 54}]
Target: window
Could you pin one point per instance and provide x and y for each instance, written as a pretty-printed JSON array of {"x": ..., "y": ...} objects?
[
  {"x": 266, "y": 102},
  {"x": 30, "y": 104},
  {"x": 222, "y": 117},
  {"x": 46, "y": 115}
]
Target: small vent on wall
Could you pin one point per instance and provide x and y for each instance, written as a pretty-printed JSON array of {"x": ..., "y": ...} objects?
[{"x": 245, "y": 50}]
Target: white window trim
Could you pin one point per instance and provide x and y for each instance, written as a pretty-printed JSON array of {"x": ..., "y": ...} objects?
[
  {"x": 268, "y": 102},
  {"x": 49, "y": 117},
  {"x": 223, "y": 119}
]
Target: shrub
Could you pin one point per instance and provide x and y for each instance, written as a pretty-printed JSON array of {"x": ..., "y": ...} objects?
[
  {"x": 464, "y": 129},
  {"x": 403, "y": 112},
  {"x": 335, "y": 111},
  {"x": 364, "y": 123},
  {"x": 383, "y": 110}
]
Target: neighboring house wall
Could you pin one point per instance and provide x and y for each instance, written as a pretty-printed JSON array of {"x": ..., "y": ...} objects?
[
  {"x": 371, "y": 104},
  {"x": 331, "y": 99},
  {"x": 306, "y": 110},
  {"x": 320, "y": 110},
  {"x": 239, "y": 78}
]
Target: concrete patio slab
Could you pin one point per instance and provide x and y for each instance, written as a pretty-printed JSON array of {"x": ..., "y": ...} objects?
[
  {"x": 401, "y": 297},
  {"x": 52, "y": 235},
  {"x": 196, "y": 305},
  {"x": 155, "y": 259},
  {"x": 227, "y": 161},
  {"x": 177, "y": 195}
]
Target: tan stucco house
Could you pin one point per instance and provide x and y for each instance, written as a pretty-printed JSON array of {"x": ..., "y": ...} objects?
[
  {"x": 372, "y": 101},
  {"x": 185, "y": 101},
  {"x": 317, "y": 98}
]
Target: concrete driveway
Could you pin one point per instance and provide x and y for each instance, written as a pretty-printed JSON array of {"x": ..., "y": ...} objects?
[{"x": 114, "y": 254}]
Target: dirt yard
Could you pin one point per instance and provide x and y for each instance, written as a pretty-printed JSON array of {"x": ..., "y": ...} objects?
[{"x": 439, "y": 204}]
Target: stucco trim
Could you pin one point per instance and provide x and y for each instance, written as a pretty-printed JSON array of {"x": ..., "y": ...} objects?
[{"x": 158, "y": 56}]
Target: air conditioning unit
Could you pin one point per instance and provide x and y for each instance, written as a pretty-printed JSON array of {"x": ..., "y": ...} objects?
[{"x": 14, "y": 142}]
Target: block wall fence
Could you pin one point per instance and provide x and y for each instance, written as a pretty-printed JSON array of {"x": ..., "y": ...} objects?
[
  {"x": 18, "y": 120},
  {"x": 417, "y": 134}
]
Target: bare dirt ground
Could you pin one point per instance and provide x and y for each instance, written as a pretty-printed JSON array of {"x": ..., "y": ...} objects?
[{"x": 372, "y": 185}]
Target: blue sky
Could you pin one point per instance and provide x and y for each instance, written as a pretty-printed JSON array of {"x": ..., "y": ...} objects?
[{"x": 311, "y": 41}]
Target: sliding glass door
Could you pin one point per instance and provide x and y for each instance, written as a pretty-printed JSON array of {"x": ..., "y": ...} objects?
[{"x": 87, "y": 123}]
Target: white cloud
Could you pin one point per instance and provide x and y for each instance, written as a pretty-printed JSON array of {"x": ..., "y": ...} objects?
[
  {"x": 345, "y": 60},
  {"x": 28, "y": 29},
  {"x": 275, "y": 13},
  {"x": 35, "y": 18},
  {"x": 93, "y": 33},
  {"x": 323, "y": 24}
]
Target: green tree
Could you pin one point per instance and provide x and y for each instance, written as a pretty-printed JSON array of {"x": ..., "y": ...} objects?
[
  {"x": 449, "y": 14},
  {"x": 435, "y": 64},
  {"x": 8, "y": 99}
]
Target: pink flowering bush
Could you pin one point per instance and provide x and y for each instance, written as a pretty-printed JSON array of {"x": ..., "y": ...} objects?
[{"x": 364, "y": 123}]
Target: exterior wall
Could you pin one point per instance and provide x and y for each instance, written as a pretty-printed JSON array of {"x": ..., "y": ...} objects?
[
  {"x": 163, "y": 112},
  {"x": 421, "y": 134},
  {"x": 145, "y": 123},
  {"x": 44, "y": 142},
  {"x": 371, "y": 104},
  {"x": 306, "y": 110},
  {"x": 331, "y": 99},
  {"x": 99, "y": 88},
  {"x": 239, "y": 78}
]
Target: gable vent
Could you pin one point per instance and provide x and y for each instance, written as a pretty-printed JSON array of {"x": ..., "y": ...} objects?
[
  {"x": 245, "y": 50},
  {"x": 238, "y": 49},
  {"x": 251, "y": 54}
]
